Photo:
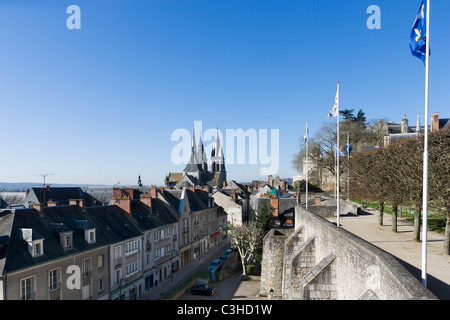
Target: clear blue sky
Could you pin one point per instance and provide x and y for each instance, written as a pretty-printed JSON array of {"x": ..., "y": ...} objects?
[{"x": 99, "y": 105}]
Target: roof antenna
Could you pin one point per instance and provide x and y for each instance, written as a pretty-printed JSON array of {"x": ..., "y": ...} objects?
[{"x": 44, "y": 175}]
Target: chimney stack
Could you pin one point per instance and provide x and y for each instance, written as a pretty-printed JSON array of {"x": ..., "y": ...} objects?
[
  {"x": 233, "y": 195},
  {"x": 153, "y": 191},
  {"x": 147, "y": 200},
  {"x": 435, "y": 121},
  {"x": 274, "y": 205},
  {"x": 317, "y": 202},
  {"x": 40, "y": 208},
  {"x": 52, "y": 203},
  {"x": 123, "y": 203}
]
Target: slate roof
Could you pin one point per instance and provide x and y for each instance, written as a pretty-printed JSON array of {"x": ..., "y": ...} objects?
[
  {"x": 110, "y": 222},
  {"x": 3, "y": 203},
  {"x": 55, "y": 194},
  {"x": 161, "y": 214},
  {"x": 444, "y": 123}
]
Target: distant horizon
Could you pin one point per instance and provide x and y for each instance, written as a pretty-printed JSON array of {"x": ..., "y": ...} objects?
[{"x": 2, "y": 183}]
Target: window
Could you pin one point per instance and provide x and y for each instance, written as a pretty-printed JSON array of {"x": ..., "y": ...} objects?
[
  {"x": 86, "y": 267},
  {"x": 27, "y": 289},
  {"x": 133, "y": 268},
  {"x": 53, "y": 279},
  {"x": 37, "y": 249},
  {"x": 101, "y": 285},
  {"x": 91, "y": 236},
  {"x": 117, "y": 252},
  {"x": 100, "y": 261},
  {"x": 168, "y": 247},
  {"x": 132, "y": 247},
  {"x": 68, "y": 241},
  {"x": 118, "y": 276}
]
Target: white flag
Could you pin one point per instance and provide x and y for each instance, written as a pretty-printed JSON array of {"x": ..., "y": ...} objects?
[
  {"x": 338, "y": 152},
  {"x": 334, "y": 111},
  {"x": 305, "y": 137}
]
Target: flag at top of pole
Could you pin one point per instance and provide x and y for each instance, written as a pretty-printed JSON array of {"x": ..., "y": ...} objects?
[
  {"x": 335, "y": 110},
  {"x": 418, "y": 37},
  {"x": 305, "y": 136}
]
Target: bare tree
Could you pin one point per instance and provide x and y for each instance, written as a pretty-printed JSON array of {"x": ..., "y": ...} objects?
[{"x": 248, "y": 238}]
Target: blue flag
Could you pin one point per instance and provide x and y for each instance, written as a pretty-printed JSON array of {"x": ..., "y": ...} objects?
[
  {"x": 418, "y": 38},
  {"x": 348, "y": 148}
]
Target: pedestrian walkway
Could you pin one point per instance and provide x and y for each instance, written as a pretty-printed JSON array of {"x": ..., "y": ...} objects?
[
  {"x": 402, "y": 246},
  {"x": 185, "y": 272}
]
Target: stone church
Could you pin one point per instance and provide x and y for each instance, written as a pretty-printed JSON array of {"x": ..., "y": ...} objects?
[{"x": 197, "y": 172}]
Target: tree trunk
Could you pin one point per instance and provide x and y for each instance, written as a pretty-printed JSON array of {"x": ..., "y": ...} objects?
[
  {"x": 380, "y": 213},
  {"x": 417, "y": 213},
  {"x": 447, "y": 235},
  {"x": 394, "y": 217}
]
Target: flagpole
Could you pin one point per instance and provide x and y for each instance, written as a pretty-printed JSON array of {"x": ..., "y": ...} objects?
[
  {"x": 306, "y": 165},
  {"x": 337, "y": 157},
  {"x": 348, "y": 164},
  {"x": 425, "y": 153}
]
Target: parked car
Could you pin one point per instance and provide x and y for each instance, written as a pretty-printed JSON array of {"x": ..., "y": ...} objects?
[
  {"x": 203, "y": 289},
  {"x": 233, "y": 248},
  {"x": 215, "y": 265},
  {"x": 227, "y": 253}
]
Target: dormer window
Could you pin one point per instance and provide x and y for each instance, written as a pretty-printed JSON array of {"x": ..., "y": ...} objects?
[
  {"x": 35, "y": 242},
  {"x": 37, "y": 251},
  {"x": 67, "y": 241},
  {"x": 89, "y": 230},
  {"x": 89, "y": 235},
  {"x": 64, "y": 234}
]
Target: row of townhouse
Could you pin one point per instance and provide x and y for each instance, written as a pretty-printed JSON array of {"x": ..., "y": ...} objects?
[{"x": 119, "y": 251}]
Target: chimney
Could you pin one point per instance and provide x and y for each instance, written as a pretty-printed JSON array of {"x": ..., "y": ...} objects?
[
  {"x": 147, "y": 200},
  {"x": 40, "y": 208},
  {"x": 274, "y": 203},
  {"x": 123, "y": 203},
  {"x": 224, "y": 184},
  {"x": 233, "y": 195},
  {"x": 317, "y": 202},
  {"x": 27, "y": 192},
  {"x": 82, "y": 204},
  {"x": 153, "y": 192},
  {"x": 435, "y": 121},
  {"x": 52, "y": 203}
]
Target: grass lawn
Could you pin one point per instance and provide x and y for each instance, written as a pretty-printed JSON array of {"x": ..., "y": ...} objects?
[{"x": 436, "y": 221}]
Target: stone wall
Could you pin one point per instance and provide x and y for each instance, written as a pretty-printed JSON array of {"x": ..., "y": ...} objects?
[{"x": 318, "y": 260}]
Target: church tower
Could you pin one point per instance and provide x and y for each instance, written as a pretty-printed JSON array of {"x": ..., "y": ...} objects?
[{"x": 218, "y": 161}]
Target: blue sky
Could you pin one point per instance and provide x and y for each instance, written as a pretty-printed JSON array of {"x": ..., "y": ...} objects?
[{"x": 98, "y": 105}]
